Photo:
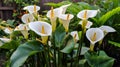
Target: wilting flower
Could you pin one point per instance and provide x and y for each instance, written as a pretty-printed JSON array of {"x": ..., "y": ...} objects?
[
  {"x": 27, "y": 18},
  {"x": 3, "y": 40},
  {"x": 53, "y": 14},
  {"x": 41, "y": 28},
  {"x": 23, "y": 28},
  {"x": 107, "y": 29},
  {"x": 32, "y": 8},
  {"x": 8, "y": 30},
  {"x": 64, "y": 8},
  {"x": 94, "y": 35},
  {"x": 65, "y": 19},
  {"x": 75, "y": 35}
]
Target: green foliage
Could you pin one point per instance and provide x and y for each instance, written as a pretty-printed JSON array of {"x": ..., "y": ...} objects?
[
  {"x": 24, "y": 51},
  {"x": 107, "y": 16},
  {"x": 114, "y": 43},
  {"x": 101, "y": 60}
]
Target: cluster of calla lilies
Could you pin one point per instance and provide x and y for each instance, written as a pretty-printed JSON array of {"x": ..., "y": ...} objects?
[{"x": 32, "y": 21}]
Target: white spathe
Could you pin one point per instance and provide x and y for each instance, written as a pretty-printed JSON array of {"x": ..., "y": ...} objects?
[
  {"x": 65, "y": 20},
  {"x": 74, "y": 34},
  {"x": 27, "y": 18},
  {"x": 89, "y": 14},
  {"x": 8, "y": 30},
  {"x": 94, "y": 35},
  {"x": 5, "y": 39},
  {"x": 64, "y": 8},
  {"x": 32, "y": 8},
  {"x": 37, "y": 28},
  {"x": 88, "y": 25},
  {"x": 23, "y": 28},
  {"x": 107, "y": 29}
]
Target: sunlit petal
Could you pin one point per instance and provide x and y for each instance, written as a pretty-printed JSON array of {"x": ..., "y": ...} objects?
[
  {"x": 64, "y": 7},
  {"x": 26, "y": 18}
]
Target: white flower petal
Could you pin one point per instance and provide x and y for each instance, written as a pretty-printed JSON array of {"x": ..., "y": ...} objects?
[
  {"x": 88, "y": 25},
  {"x": 64, "y": 7},
  {"x": 31, "y": 8},
  {"x": 8, "y": 30},
  {"x": 90, "y": 14},
  {"x": 56, "y": 12},
  {"x": 75, "y": 35},
  {"x": 64, "y": 16},
  {"x": 5, "y": 39},
  {"x": 37, "y": 28},
  {"x": 90, "y": 34},
  {"x": 107, "y": 29},
  {"x": 22, "y": 27},
  {"x": 26, "y": 18}
]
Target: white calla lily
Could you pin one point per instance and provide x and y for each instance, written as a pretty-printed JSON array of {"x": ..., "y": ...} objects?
[
  {"x": 32, "y": 8},
  {"x": 65, "y": 19},
  {"x": 27, "y": 18},
  {"x": 41, "y": 28},
  {"x": 85, "y": 14},
  {"x": 88, "y": 25},
  {"x": 94, "y": 35},
  {"x": 74, "y": 34},
  {"x": 53, "y": 14},
  {"x": 107, "y": 29},
  {"x": 64, "y": 7},
  {"x": 4, "y": 40},
  {"x": 24, "y": 29},
  {"x": 8, "y": 30}
]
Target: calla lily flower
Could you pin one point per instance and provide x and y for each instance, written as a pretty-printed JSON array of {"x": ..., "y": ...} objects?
[
  {"x": 3, "y": 40},
  {"x": 53, "y": 14},
  {"x": 41, "y": 28},
  {"x": 24, "y": 30},
  {"x": 27, "y": 18},
  {"x": 32, "y": 8},
  {"x": 88, "y": 25},
  {"x": 8, "y": 30},
  {"x": 107, "y": 29},
  {"x": 64, "y": 7},
  {"x": 65, "y": 19},
  {"x": 74, "y": 34},
  {"x": 94, "y": 35},
  {"x": 85, "y": 14}
]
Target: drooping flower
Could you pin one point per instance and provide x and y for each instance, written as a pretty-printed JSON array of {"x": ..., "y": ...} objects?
[
  {"x": 74, "y": 34},
  {"x": 32, "y": 8},
  {"x": 23, "y": 28},
  {"x": 94, "y": 35},
  {"x": 65, "y": 20},
  {"x": 85, "y": 14},
  {"x": 107, "y": 29},
  {"x": 64, "y": 8},
  {"x": 27, "y": 18},
  {"x": 8, "y": 30},
  {"x": 41, "y": 28},
  {"x": 53, "y": 14}
]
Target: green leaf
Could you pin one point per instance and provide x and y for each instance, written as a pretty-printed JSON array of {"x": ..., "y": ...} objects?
[
  {"x": 69, "y": 46},
  {"x": 101, "y": 60},
  {"x": 114, "y": 43},
  {"x": 59, "y": 36},
  {"x": 10, "y": 45},
  {"x": 108, "y": 15},
  {"x": 24, "y": 51}
]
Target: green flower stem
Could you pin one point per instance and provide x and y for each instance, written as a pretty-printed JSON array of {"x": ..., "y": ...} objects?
[{"x": 91, "y": 47}]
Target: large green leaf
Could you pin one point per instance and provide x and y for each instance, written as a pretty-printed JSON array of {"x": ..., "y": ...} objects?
[
  {"x": 69, "y": 46},
  {"x": 108, "y": 15},
  {"x": 24, "y": 51},
  {"x": 114, "y": 43},
  {"x": 59, "y": 36},
  {"x": 101, "y": 60}
]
